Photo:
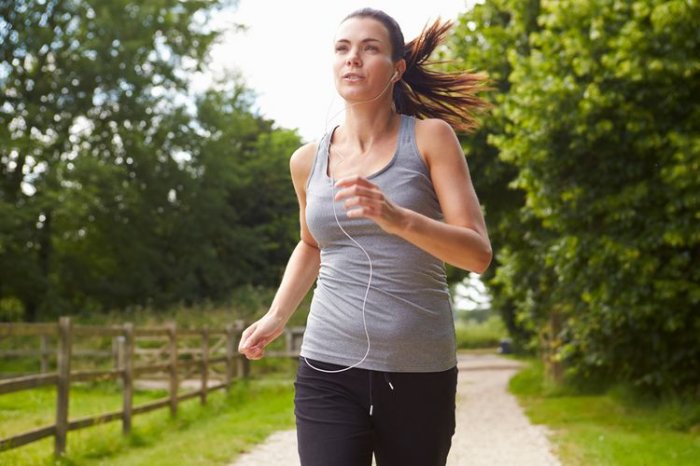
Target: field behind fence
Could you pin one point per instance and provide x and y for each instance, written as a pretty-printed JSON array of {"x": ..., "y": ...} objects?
[{"x": 167, "y": 354}]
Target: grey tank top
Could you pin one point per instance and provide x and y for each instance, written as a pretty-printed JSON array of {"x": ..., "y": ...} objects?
[{"x": 408, "y": 311}]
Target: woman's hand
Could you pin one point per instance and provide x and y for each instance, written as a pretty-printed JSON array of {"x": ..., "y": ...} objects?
[
  {"x": 259, "y": 334},
  {"x": 365, "y": 199}
]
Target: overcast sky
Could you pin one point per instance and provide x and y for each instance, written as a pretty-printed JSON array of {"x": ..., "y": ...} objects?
[{"x": 285, "y": 55}]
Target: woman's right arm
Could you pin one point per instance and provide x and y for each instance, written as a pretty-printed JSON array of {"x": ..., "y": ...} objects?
[{"x": 300, "y": 273}]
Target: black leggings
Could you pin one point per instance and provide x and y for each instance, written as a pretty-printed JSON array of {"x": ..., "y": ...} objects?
[{"x": 410, "y": 424}]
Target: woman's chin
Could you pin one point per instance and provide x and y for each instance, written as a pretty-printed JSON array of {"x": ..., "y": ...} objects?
[{"x": 357, "y": 94}]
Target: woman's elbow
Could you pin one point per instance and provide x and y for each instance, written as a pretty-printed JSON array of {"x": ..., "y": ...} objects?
[{"x": 484, "y": 261}]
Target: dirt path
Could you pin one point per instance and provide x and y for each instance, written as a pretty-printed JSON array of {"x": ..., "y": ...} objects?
[{"x": 491, "y": 427}]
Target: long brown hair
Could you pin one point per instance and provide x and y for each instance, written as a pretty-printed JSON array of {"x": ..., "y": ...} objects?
[{"x": 427, "y": 93}]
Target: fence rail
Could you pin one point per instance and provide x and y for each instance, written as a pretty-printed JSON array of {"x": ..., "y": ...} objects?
[{"x": 123, "y": 352}]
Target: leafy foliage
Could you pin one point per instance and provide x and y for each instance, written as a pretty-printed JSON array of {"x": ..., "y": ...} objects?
[
  {"x": 600, "y": 117},
  {"x": 115, "y": 187}
]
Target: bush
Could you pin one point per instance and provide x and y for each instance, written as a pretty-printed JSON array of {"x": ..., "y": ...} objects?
[{"x": 11, "y": 309}]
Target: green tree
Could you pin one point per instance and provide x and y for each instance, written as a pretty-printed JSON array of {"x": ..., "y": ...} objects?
[
  {"x": 481, "y": 40},
  {"x": 115, "y": 189},
  {"x": 78, "y": 76},
  {"x": 603, "y": 123},
  {"x": 242, "y": 214}
]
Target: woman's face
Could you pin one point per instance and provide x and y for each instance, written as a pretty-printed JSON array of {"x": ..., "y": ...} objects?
[{"x": 362, "y": 67}]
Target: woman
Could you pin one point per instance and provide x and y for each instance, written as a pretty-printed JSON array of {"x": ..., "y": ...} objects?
[{"x": 385, "y": 199}]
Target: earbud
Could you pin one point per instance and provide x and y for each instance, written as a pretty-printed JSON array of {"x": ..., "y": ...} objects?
[{"x": 396, "y": 73}]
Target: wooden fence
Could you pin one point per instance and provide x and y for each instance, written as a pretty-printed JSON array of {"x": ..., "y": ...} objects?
[{"x": 126, "y": 371}]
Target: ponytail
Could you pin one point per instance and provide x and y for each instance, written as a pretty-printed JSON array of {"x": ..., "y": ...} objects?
[
  {"x": 425, "y": 92},
  {"x": 434, "y": 94}
]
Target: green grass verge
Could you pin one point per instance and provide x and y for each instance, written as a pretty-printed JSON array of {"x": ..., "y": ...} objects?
[
  {"x": 471, "y": 333},
  {"x": 613, "y": 428},
  {"x": 200, "y": 435}
]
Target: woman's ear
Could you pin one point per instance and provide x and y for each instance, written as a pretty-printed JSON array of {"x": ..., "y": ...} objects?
[{"x": 400, "y": 70}]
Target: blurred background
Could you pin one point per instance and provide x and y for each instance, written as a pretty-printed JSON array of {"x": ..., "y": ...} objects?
[
  {"x": 144, "y": 155},
  {"x": 144, "y": 168}
]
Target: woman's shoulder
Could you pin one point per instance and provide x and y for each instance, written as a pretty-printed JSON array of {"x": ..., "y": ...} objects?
[
  {"x": 432, "y": 128},
  {"x": 301, "y": 161},
  {"x": 431, "y": 135}
]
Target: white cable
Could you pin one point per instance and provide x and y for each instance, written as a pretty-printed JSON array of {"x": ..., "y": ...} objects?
[
  {"x": 364, "y": 303},
  {"x": 364, "y": 320}
]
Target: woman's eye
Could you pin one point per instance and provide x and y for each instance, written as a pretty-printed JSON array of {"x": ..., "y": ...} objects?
[{"x": 372, "y": 48}]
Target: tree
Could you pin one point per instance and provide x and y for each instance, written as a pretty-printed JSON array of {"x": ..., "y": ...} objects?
[
  {"x": 603, "y": 127},
  {"x": 109, "y": 180},
  {"x": 482, "y": 40},
  {"x": 79, "y": 77}
]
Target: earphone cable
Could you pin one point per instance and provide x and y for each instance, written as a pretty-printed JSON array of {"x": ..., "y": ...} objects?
[{"x": 369, "y": 260}]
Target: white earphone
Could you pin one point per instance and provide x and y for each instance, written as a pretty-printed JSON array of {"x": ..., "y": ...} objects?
[{"x": 369, "y": 260}]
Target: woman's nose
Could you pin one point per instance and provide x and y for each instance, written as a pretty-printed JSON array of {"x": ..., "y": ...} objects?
[{"x": 353, "y": 57}]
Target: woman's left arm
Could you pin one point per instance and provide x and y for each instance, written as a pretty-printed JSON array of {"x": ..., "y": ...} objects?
[{"x": 462, "y": 239}]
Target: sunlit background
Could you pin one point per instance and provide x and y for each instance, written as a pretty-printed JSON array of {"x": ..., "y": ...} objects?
[
  {"x": 145, "y": 186},
  {"x": 285, "y": 53}
]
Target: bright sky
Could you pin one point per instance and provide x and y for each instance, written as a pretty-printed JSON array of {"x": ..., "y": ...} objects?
[{"x": 285, "y": 55}]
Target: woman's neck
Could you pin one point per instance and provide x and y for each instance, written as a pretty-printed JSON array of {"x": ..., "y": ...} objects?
[{"x": 365, "y": 125}]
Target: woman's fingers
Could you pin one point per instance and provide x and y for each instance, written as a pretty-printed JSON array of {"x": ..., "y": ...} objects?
[
  {"x": 359, "y": 191},
  {"x": 252, "y": 343},
  {"x": 365, "y": 199},
  {"x": 255, "y": 353},
  {"x": 357, "y": 201},
  {"x": 361, "y": 194},
  {"x": 258, "y": 335},
  {"x": 256, "y": 349},
  {"x": 245, "y": 338},
  {"x": 353, "y": 180}
]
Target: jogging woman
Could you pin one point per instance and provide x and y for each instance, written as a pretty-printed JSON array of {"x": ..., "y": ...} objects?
[{"x": 385, "y": 200}]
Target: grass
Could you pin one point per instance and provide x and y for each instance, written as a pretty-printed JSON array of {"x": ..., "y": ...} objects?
[
  {"x": 216, "y": 433},
  {"x": 199, "y": 435},
  {"x": 613, "y": 428},
  {"x": 472, "y": 333},
  {"x": 29, "y": 409}
]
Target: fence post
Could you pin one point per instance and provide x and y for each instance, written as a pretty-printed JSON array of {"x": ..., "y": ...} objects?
[
  {"x": 44, "y": 353},
  {"x": 118, "y": 344},
  {"x": 172, "y": 349},
  {"x": 63, "y": 357},
  {"x": 289, "y": 342},
  {"x": 243, "y": 364},
  {"x": 204, "y": 365},
  {"x": 229, "y": 355},
  {"x": 127, "y": 366}
]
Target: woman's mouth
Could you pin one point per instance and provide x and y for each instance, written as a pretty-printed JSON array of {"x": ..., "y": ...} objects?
[{"x": 352, "y": 77}]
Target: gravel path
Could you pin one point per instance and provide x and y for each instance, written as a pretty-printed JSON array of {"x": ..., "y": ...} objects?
[{"x": 491, "y": 427}]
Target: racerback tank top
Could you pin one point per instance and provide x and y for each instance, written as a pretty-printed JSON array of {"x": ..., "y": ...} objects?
[{"x": 408, "y": 310}]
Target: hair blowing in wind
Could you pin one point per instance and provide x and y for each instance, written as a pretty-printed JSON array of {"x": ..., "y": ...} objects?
[{"x": 424, "y": 91}]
